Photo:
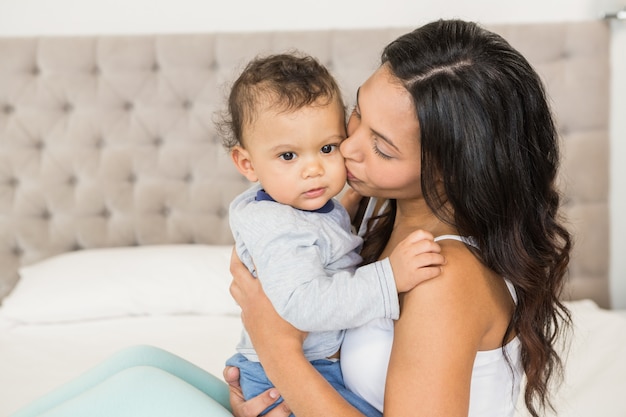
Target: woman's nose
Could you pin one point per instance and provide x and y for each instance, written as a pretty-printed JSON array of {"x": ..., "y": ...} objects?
[
  {"x": 348, "y": 147},
  {"x": 344, "y": 147}
]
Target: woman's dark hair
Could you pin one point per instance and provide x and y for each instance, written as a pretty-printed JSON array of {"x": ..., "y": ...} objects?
[
  {"x": 287, "y": 82},
  {"x": 489, "y": 140}
]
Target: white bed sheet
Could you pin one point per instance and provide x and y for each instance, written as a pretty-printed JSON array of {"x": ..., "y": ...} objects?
[
  {"x": 595, "y": 359},
  {"x": 36, "y": 358}
]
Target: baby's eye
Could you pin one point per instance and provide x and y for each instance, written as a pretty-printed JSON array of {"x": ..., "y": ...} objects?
[
  {"x": 287, "y": 156},
  {"x": 328, "y": 148}
]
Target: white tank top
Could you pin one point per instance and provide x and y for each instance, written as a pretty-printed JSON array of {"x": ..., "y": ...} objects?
[{"x": 494, "y": 388}]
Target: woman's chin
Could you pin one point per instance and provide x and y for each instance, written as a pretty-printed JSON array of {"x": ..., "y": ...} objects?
[{"x": 356, "y": 185}]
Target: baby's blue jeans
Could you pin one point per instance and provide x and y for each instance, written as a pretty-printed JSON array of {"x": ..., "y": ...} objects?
[{"x": 253, "y": 382}]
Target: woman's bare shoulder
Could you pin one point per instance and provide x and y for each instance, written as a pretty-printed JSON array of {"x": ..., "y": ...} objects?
[
  {"x": 461, "y": 290},
  {"x": 467, "y": 296},
  {"x": 462, "y": 272}
]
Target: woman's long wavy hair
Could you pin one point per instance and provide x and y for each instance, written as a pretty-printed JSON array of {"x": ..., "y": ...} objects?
[{"x": 489, "y": 140}]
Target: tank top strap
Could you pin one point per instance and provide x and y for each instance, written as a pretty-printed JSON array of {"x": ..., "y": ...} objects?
[
  {"x": 467, "y": 240},
  {"x": 470, "y": 241},
  {"x": 372, "y": 209}
]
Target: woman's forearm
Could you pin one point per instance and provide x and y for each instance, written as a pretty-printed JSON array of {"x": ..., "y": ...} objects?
[
  {"x": 306, "y": 392},
  {"x": 279, "y": 347}
]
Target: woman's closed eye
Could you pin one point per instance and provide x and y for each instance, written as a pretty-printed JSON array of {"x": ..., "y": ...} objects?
[{"x": 378, "y": 152}]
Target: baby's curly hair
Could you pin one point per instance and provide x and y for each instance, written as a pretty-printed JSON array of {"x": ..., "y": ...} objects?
[{"x": 287, "y": 81}]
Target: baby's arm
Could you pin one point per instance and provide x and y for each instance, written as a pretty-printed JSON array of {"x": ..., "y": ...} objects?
[
  {"x": 351, "y": 200},
  {"x": 313, "y": 300},
  {"x": 416, "y": 259},
  {"x": 307, "y": 269}
]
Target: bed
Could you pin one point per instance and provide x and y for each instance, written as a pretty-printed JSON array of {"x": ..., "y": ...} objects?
[{"x": 114, "y": 191}]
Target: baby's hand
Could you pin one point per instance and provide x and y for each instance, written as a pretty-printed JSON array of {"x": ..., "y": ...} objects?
[
  {"x": 416, "y": 259},
  {"x": 350, "y": 201}
]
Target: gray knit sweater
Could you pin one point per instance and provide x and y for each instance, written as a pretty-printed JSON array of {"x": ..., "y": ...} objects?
[{"x": 307, "y": 266}]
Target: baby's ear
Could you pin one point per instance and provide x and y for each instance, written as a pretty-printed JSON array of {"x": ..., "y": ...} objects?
[{"x": 243, "y": 163}]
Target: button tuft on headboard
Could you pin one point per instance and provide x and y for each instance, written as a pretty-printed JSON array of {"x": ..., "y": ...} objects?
[
  {"x": 46, "y": 214},
  {"x": 99, "y": 142},
  {"x": 17, "y": 251},
  {"x": 129, "y": 144}
]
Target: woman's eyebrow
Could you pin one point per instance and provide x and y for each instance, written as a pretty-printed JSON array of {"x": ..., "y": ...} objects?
[{"x": 386, "y": 139}]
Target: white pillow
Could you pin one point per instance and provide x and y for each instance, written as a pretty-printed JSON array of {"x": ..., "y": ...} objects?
[{"x": 114, "y": 282}]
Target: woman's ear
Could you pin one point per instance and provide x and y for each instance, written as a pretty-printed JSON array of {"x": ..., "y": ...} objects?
[{"x": 243, "y": 163}]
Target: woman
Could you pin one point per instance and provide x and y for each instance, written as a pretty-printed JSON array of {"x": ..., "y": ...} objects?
[{"x": 455, "y": 132}]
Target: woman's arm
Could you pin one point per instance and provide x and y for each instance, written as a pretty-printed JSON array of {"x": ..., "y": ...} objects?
[
  {"x": 436, "y": 340},
  {"x": 279, "y": 346}
]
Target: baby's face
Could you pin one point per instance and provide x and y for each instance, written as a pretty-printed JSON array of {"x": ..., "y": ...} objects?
[{"x": 295, "y": 154}]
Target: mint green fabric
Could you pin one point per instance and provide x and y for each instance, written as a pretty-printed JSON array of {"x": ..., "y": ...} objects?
[{"x": 138, "y": 381}]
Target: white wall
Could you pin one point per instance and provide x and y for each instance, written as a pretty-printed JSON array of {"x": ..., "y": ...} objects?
[
  {"x": 618, "y": 167},
  {"x": 141, "y": 16},
  {"x": 69, "y": 17}
]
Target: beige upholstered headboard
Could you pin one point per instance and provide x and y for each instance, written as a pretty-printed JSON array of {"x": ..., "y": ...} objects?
[{"x": 109, "y": 141}]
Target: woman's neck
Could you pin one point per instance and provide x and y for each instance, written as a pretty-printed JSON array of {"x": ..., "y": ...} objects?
[{"x": 412, "y": 215}]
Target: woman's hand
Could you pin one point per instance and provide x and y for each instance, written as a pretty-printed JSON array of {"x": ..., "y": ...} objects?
[{"x": 254, "y": 406}]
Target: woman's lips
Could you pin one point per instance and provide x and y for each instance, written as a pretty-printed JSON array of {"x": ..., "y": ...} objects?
[{"x": 350, "y": 177}]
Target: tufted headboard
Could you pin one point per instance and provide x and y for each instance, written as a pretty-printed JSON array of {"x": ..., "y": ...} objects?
[{"x": 109, "y": 141}]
